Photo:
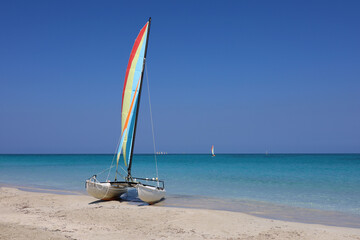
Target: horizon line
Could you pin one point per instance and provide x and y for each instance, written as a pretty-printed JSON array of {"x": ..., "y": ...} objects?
[{"x": 275, "y": 153}]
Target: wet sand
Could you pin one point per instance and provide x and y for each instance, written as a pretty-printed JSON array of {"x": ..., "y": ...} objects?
[
  {"x": 265, "y": 210},
  {"x": 39, "y": 215}
]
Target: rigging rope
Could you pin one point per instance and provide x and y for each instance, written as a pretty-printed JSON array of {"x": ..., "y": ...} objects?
[
  {"x": 111, "y": 165},
  {"x": 152, "y": 125},
  {"x": 117, "y": 146}
]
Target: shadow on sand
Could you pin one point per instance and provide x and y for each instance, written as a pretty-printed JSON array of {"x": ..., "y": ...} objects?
[{"x": 131, "y": 197}]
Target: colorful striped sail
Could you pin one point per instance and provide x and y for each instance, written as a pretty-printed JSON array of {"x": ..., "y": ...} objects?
[
  {"x": 212, "y": 150},
  {"x": 131, "y": 92}
]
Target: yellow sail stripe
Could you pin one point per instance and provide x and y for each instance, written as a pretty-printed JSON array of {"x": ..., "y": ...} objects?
[
  {"x": 128, "y": 117},
  {"x": 128, "y": 90}
]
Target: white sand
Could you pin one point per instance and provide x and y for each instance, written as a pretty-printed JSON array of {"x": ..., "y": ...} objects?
[{"x": 31, "y": 215}]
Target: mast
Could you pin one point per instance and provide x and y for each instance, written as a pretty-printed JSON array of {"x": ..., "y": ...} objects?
[{"x": 138, "y": 104}]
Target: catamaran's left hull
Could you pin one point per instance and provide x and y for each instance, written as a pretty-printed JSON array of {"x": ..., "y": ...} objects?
[{"x": 106, "y": 190}]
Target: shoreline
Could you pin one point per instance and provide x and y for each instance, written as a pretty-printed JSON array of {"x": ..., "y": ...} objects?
[
  {"x": 251, "y": 207},
  {"x": 37, "y": 215}
]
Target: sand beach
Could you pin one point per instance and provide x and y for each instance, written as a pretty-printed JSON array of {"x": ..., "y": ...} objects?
[{"x": 38, "y": 215}]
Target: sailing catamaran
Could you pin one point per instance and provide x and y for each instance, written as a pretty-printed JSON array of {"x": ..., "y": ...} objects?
[
  {"x": 129, "y": 114},
  {"x": 212, "y": 151}
]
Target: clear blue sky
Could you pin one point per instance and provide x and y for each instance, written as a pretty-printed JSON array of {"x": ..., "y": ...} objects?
[{"x": 246, "y": 76}]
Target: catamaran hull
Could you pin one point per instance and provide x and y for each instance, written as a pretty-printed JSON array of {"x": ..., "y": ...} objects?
[
  {"x": 105, "y": 190},
  {"x": 150, "y": 194}
]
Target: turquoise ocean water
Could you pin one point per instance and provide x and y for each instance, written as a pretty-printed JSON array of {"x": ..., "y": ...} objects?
[{"x": 329, "y": 182}]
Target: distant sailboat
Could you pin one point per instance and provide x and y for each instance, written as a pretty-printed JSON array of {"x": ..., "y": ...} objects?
[
  {"x": 129, "y": 114},
  {"x": 212, "y": 151}
]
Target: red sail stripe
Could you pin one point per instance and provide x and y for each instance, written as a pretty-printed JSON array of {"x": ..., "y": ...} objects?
[{"x": 132, "y": 54}]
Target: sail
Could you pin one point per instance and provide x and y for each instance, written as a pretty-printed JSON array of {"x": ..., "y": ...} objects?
[
  {"x": 212, "y": 149},
  {"x": 131, "y": 92}
]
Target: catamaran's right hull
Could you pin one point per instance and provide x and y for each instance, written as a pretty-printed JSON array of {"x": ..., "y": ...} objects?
[
  {"x": 105, "y": 190},
  {"x": 150, "y": 194}
]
